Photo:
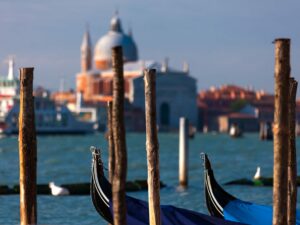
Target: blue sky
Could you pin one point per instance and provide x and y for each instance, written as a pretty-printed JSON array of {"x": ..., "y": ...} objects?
[{"x": 223, "y": 41}]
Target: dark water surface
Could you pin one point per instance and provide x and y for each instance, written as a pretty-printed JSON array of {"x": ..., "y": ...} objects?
[{"x": 67, "y": 159}]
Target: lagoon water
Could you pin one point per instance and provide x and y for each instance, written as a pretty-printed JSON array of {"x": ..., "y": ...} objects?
[{"x": 67, "y": 159}]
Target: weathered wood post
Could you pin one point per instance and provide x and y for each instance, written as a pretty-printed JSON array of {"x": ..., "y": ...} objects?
[
  {"x": 281, "y": 132},
  {"x": 152, "y": 148},
  {"x": 183, "y": 151},
  {"x": 261, "y": 130},
  {"x": 27, "y": 149},
  {"x": 292, "y": 163},
  {"x": 111, "y": 153},
  {"x": 120, "y": 172},
  {"x": 265, "y": 132}
]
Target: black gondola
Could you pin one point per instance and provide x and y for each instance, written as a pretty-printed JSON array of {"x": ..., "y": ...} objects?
[
  {"x": 223, "y": 205},
  {"x": 216, "y": 197},
  {"x": 100, "y": 187},
  {"x": 137, "y": 210}
]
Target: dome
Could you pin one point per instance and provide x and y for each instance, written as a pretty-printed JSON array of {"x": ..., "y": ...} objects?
[{"x": 115, "y": 37}]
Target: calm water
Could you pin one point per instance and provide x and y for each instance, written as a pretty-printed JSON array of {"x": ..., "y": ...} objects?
[{"x": 67, "y": 159}]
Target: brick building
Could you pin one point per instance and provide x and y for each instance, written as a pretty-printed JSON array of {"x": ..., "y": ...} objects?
[{"x": 221, "y": 104}]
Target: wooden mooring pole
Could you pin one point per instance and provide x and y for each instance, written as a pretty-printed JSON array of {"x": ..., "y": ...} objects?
[
  {"x": 262, "y": 128},
  {"x": 111, "y": 149},
  {"x": 111, "y": 153},
  {"x": 292, "y": 163},
  {"x": 281, "y": 131},
  {"x": 152, "y": 148},
  {"x": 120, "y": 172},
  {"x": 183, "y": 151},
  {"x": 27, "y": 149}
]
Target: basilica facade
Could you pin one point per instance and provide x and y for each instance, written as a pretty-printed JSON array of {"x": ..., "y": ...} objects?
[{"x": 176, "y": 90}]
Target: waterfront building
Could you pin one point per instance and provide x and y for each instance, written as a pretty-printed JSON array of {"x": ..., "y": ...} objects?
[
  {"x": 220, "y": 107},
  {"x": 244, "y": 121},
  {"x": 176, "y": 90}
]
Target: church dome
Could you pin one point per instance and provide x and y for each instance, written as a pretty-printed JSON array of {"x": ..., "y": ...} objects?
[{"x": 115, "y": 37}]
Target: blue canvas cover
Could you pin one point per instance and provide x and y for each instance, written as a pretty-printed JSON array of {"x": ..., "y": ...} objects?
[
  {"x": 137, "y": 214},
  {"x": 247, "y": 212}
]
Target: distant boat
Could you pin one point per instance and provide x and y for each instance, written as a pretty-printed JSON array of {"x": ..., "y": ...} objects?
[
  {"x": 50, "y": 118},
  {"x": 235, "y": 131},
  {"x": 224, "y": 205},
  {"x": 137, "y": 210}
]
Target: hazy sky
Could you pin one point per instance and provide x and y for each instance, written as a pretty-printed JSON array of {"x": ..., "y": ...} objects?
[{"x": 223, "y": 41}]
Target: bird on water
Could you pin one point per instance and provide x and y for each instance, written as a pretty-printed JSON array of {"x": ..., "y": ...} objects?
[{"x": 57, "y": 190}]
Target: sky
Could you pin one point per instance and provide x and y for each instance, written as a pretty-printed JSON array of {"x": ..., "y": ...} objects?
[{"x": 224, "y": 42}]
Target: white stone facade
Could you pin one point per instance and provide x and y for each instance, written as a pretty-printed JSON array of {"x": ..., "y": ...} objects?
[{"x": 176, "y": 96}]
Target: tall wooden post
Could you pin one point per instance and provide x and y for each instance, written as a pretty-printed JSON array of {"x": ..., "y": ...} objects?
[
  {"x": 292, "y": 163},
  {"x": 152, "y": 148},
  {"x": 120, "y": 172},
  {"x": 281, "y": 132},
  {"x": 111, "y": 153},
  {"x": 183, "y": 151},
  {"x": 27, "y": 149}
]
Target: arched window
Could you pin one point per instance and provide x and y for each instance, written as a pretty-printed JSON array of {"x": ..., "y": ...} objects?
[{"x": 165, "y": 114}]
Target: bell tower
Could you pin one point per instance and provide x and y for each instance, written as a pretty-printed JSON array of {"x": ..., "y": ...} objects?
[{"x": 86, "y": 52}]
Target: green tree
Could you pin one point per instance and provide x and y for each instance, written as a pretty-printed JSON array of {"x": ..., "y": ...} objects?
[{"x": 237, "y": 105}]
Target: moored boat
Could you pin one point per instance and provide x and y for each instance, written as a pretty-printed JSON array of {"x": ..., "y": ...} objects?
[
  {"x": 235, "y": 131},
  {"x": 50, "y": 118},
  {"x": 224, "y": 205},
  {"x": 137, "y": 210}
]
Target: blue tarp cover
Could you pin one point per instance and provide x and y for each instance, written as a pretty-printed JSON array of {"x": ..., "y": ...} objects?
[
  {"x": 137, "y": 214},
  {"x": 249, "y": 213}
]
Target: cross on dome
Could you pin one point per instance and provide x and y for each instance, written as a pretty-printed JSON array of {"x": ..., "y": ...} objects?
[{"x": 115, "y": 23}]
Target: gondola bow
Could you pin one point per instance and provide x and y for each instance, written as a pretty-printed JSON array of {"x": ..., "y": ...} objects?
[
  {"x": 137, "y": 210},
  {"x": 223, "y": 205}
]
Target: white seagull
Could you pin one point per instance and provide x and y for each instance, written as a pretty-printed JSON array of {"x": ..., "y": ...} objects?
[
  {"x": 257, "y": 174},
  {"x": 57, "y": 190}
]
